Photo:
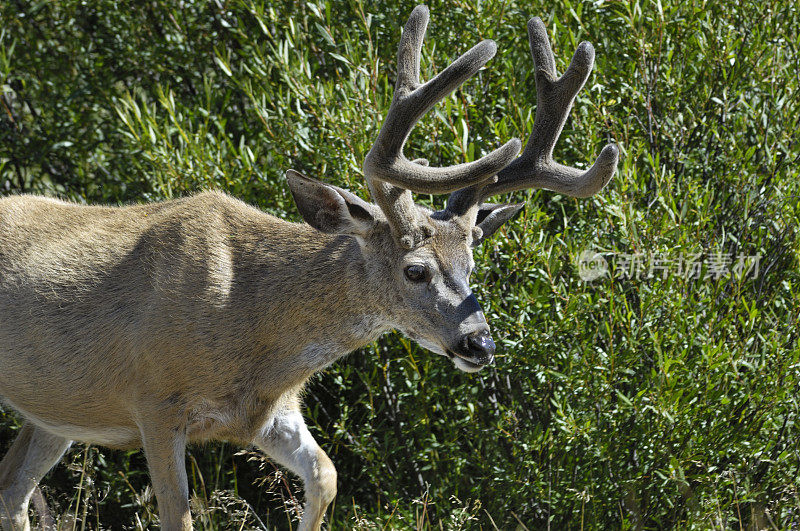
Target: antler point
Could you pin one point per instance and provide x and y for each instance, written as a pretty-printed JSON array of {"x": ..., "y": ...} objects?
[
  {"x": 420, "y": 10},
  {"x": 611, "y": 153},
  {"x": 537, "y": 21}
]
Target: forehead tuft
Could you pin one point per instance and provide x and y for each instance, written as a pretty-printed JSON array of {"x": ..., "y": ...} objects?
[{"x": 449, "y": 237}]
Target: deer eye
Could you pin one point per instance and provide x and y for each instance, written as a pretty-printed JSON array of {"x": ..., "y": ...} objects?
[{"x": 416, "y": 273}]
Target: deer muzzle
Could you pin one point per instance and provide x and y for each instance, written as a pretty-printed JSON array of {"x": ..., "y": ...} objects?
[{"x": 477, "y": 348}]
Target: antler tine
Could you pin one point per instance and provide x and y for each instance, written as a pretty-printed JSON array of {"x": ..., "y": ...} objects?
[
  {"x": 385, "y": 163},
  {"x": 535, "y": 168},
  {"x": 411, "y": 101}
]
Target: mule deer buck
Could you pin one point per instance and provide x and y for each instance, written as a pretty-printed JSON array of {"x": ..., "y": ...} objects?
[{"x": 201, "y": 318}]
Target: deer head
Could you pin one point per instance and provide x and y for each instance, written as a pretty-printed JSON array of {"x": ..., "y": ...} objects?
[{"x": 420, "y": 258}]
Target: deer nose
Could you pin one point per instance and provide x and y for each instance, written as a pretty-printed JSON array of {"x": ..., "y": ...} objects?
[{"x": 480, "y": 346}]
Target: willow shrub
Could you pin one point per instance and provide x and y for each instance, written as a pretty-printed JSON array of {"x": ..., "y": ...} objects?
[{"x": 648, "y": 400}]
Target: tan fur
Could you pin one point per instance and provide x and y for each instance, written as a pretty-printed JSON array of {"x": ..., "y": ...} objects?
[
  {"x": 201, "y": 315},
  {"x": 94, "y": 295}
]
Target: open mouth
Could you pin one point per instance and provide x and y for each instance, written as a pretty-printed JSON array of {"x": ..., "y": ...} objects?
[{"x": 468, "y": 362}]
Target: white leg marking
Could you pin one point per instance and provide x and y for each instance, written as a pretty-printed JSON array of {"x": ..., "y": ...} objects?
[{"x": 287, "y": 440}]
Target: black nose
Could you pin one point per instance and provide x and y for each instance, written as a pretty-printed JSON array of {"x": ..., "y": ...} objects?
[{"x": 480, "y": 346}]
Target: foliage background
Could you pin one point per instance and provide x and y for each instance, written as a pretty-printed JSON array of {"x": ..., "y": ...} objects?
[{"x": 620, "y": 403}]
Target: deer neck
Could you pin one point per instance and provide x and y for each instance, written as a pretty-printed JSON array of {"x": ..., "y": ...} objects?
[{"x": 325, "y": 287}]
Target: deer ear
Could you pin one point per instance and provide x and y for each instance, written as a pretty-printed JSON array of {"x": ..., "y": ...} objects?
[
  {"x": 329, "y": 208},
  {"x": 491, "y": 217}
]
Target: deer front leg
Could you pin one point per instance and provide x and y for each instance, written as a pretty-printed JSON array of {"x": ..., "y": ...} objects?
[
  {"x": 289, "y": 442},
  {"x": 32, "y": 455},
  {"x": 164, "y": 444}
]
